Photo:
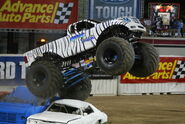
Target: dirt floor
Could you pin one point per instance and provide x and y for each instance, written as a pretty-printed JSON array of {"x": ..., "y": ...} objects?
[{"x": 158, "y": 109}]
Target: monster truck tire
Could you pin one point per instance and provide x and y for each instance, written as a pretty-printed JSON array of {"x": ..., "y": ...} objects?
[
  {"x": 81, "y": 91},
  {"x": 43, "y": 78},
  {"x": 115, "y": 56},
  {"x": 148, "y": 62}
]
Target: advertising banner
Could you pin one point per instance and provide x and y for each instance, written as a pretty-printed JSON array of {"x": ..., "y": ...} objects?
[
  {"x": 166, "y": 11},
  {"x": 109, "y": 9},
  {"x": 38, "y": 14},
  {"x": 171, "y": 69},
  {"x": 165, "y": 18},
  {"x": 12, "y": 70}
]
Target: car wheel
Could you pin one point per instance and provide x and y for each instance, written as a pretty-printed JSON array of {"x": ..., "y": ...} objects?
[
  {"x": 43, "y": 78},
  {"x": 147, "y": 60},
  {"x": 80, "y": 91},
  {"x": 115, "y": 56},
  {"x": 98, "y": 122}
]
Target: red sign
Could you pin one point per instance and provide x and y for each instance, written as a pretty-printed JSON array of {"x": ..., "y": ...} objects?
[
  {"x": 171, "y": 69},
  {"x": 38, "y": 14}
]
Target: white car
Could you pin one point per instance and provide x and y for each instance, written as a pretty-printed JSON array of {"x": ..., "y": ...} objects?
[{"x": 69, "y": 111}]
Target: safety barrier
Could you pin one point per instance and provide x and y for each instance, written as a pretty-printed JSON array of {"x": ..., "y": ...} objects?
[
  {"x": 104, "y": 87},
  {"x": 168, "y": 79}
]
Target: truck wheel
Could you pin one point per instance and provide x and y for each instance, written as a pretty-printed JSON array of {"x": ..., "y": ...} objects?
[
  {"x": 147, "y": 60},
  {"x": 43, "y": 79},
  {"x": 115, "y": 56},
  {"x": 81, "y": 91}
]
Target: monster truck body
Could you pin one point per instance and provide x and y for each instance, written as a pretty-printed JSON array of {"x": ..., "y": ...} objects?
[
  {"x": 56, "y": 66},
  {"x": 83, "y": 36}
]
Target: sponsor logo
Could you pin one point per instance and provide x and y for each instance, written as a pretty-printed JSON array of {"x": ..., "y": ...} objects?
[
  {"x": 168, "y": 71},
  {"x": 88, "y": 39},
  {"x": 29, "y": 12},
  {"x": 107, "y": 12},
  {"x": 77, "y": 36},
  {"x": 165, "y": 71},
  {"x": 82, "y": 37},
  {"x": 12, "y": 68},
  {"x": 115, "y": 1},
  {"x": 126, "y": 20}
]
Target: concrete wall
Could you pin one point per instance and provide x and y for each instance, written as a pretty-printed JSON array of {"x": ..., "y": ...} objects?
[{"x": 177, "y": 51}]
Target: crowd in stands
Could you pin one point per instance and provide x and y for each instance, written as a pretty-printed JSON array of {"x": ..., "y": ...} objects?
[{"x": 156, "y": 27}]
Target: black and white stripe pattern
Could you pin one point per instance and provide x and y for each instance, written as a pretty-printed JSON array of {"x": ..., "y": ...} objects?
[
  {"x": 63, "y": 13},
  {"x": 179, "y": 71},
  {"x": 73, "y": 44}
]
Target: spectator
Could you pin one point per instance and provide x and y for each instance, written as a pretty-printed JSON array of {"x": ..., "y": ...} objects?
[
  {"x": 173, "y": 26},
  {"x": 183, "y": 19},
  {"x": 179, "y": 27},
  {"x": 142, "y": 21},
  {"x": 153, "y": 28},
  {"x": 147, "y": 23},
  {"x": 182, "y": 28},
  {"x": 159, "y": 24}
]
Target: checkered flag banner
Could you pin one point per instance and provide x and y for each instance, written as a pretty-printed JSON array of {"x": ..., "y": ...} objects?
[
  {"x": 179, "y": 71},
  {"x": 63, "y": 13}
]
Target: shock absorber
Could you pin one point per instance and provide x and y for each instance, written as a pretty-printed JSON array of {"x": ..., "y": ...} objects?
[{"x": 73, "y": 76}]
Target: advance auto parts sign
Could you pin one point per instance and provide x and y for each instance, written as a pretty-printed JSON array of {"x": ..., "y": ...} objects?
[
  {"x": 38, "y": 14},
  {"x": 171, "y": 69}
]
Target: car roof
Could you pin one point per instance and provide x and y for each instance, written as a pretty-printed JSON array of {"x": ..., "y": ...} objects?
[{"x": 73, "y": 103}]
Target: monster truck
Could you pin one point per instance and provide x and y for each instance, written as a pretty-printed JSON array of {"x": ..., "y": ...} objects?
[{"x": 61, "y": 66}]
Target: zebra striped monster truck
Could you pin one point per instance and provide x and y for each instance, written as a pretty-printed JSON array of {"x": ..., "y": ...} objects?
[{"x": 112, "y": 46}]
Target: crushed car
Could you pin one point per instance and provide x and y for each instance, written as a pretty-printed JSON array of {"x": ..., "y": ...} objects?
[
  {"x": 67, "y": 111},
  {"x": 17, "y": 106},
  {"x": 22, "y": 107}
]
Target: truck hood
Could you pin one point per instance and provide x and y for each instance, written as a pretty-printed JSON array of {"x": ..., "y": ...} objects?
[{"x": 55, "y": 117}]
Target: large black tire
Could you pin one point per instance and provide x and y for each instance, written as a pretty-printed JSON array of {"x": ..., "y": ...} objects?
[
  {"x": 81, "y": 91},
  {"x": 43, "y": 79},
  {"x": 115, "y": 56},
  {"x": 147, "y": 62}
]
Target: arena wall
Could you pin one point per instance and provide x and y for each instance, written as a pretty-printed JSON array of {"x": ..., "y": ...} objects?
[{"x": 118, "y": 86}]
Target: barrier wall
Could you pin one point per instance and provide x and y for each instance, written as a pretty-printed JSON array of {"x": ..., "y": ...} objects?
[
  {"x": 104, "y": 87},
  {"x": 12, "y": 70},
  {"x": 149, "y": 88},
  {"x": 169, "y": 78}
]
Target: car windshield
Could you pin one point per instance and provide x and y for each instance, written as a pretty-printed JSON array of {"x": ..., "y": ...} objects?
[{"x": 64, "y": 109}]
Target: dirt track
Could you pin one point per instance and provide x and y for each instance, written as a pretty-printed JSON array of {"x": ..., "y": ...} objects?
[{"x": 159, "y": 109}]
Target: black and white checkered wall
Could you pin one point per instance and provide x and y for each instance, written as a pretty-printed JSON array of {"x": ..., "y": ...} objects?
[
  {"x": 63, "y": 13},
  {"x": 179, "y": 71}
]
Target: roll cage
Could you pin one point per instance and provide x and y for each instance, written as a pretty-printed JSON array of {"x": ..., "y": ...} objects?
[{"x": 81, "y": 25}]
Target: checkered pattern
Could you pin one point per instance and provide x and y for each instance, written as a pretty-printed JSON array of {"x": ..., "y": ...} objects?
[
  {"x": 179, "y": 71},
  {"x": 63, "y": 13}
]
